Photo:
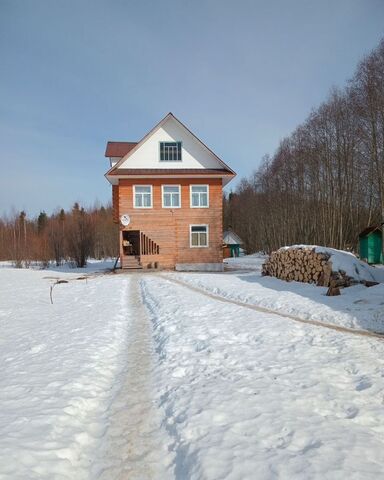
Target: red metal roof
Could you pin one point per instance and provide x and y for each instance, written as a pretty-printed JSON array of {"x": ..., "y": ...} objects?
[{"x": 119, "y": 149}]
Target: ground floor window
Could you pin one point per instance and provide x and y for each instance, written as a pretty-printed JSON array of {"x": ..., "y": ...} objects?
[{"x": 199, "y": 235}]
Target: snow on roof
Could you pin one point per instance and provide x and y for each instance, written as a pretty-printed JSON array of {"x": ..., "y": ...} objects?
[{"x": 230, "y": 238}]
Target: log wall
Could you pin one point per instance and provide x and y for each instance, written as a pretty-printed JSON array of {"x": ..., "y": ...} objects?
[{"x": 170, "y": 227}]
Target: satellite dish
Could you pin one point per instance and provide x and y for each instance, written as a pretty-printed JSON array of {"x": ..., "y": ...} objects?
[{"x": 125, "y": 219}]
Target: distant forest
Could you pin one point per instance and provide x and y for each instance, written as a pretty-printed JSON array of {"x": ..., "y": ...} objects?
[
  {"x": 325, "y": 182},
  {"x": 71, "y": 235}
]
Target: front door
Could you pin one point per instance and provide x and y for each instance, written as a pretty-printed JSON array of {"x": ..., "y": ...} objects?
[{"x": 131, "y": 242}]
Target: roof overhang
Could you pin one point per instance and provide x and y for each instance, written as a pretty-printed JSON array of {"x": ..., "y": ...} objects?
[{"x": 114, "y": 176}]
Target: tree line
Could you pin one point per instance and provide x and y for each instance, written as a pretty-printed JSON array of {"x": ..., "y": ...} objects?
[
  {"x": 325, "y": 182},
  {"x": 72, "y": 235}
]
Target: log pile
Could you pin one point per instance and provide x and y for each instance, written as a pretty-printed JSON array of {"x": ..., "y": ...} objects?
[{"x": 304, "y": 264}]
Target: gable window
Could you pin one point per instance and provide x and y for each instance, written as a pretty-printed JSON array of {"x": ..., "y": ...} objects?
[
  {"x": 199, "y": 235},
  {"x": 199, "y": 196},
  {"x": 171, "y": 196},
  {"x": 142, "y": 196},
  {"x": 170, "y": 151}
]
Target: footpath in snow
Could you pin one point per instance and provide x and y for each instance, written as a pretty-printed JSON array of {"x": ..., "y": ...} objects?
[
  {"x": 137, "y": 446},
  {"x": 357, "y": 307}
]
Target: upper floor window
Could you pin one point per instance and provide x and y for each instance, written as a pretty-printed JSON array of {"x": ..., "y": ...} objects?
[
  {"x": 199, "y": 196},
  {"x": 170, "y": 151},
  {"x": 198, "y": 235},
  {"x": 171, "y": 196},
  {"x": 142, "y": 196}
]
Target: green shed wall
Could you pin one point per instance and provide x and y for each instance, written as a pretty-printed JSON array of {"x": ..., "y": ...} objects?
[{"x": 371, "y": 247}]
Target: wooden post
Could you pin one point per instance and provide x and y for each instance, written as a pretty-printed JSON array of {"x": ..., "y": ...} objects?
[{"x": 121, "y": 250}]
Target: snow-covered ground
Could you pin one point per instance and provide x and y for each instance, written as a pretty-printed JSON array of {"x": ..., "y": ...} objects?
[
  {"x": 249, "y": 395},
  {"x": 69, "y": 267},
  {"x": 357, "y": 307},
  {"x": 60, "y": 370},
  {"x": 247, "y": 262},
  {"x": 134, "y": 376}
]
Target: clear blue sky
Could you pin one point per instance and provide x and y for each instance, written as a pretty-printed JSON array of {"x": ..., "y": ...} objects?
[{"x": 240, "y": 74}]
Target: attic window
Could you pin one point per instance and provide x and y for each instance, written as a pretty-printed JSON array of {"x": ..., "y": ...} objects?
[{"x": 170, "y": 151}]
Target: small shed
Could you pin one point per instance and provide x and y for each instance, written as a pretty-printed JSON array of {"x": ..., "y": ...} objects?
[
  {"x": 232, "y": 244},
  {"x": 371, "y": 244}
]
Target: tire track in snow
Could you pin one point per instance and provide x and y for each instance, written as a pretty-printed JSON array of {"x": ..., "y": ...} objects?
[
  {"x": 137, "y": 446},
  {"x": 316, "y": 323}
]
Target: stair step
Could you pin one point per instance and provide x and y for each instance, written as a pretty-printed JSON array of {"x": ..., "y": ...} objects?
[{"x": 131, "y": 262}]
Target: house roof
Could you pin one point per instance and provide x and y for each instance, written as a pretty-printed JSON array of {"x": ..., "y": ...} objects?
[
  {"x": 369, "y": 230},
  {"x": 116, "y": 171},
  {"x": 119, "y": 149}
]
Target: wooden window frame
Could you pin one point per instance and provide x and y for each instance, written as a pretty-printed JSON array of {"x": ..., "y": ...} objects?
[
  {"x": 134, "y": 196},
  {"x": 190, "y": 195},
  {"x": 162, "y": 196},
  {"x": 190, "y": 235}
]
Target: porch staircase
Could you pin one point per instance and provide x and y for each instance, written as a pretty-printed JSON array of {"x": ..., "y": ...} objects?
[
  {"x": 139, "y": 243},
  {"x": 131, "y": 262}
]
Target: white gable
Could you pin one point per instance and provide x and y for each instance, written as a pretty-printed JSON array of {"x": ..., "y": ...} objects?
[{"x": 194, "y": 153}]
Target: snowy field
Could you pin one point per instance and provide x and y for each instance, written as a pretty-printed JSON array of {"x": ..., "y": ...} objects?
[{"x": 135, "y": 376}]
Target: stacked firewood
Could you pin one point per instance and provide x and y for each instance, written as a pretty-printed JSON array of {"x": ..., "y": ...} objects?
[{"x": 304, "y": 264}]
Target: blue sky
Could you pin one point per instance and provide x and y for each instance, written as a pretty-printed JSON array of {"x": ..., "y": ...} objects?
[{"x": 240, "y": 74}]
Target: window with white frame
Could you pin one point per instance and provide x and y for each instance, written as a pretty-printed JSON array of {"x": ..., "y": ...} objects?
[
  {"x": 171, "y": 196},
  {"x": 199, "y": 196},
  {"x": 199, "y": 235},
  {"x": 170, "y": 151},
  {"x": 142, "y": 196}
]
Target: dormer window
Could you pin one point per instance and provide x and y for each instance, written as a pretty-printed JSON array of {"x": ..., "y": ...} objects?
[{"x": 170, "y": 151}]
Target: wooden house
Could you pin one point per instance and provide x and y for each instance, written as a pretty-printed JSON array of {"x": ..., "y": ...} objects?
[
  {"x": 370, "y": 244},
  {"x": 167, "y": 199}
]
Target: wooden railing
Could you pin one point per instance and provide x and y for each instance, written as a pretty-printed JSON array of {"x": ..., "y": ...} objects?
[{"x": 148, "y": 246}]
